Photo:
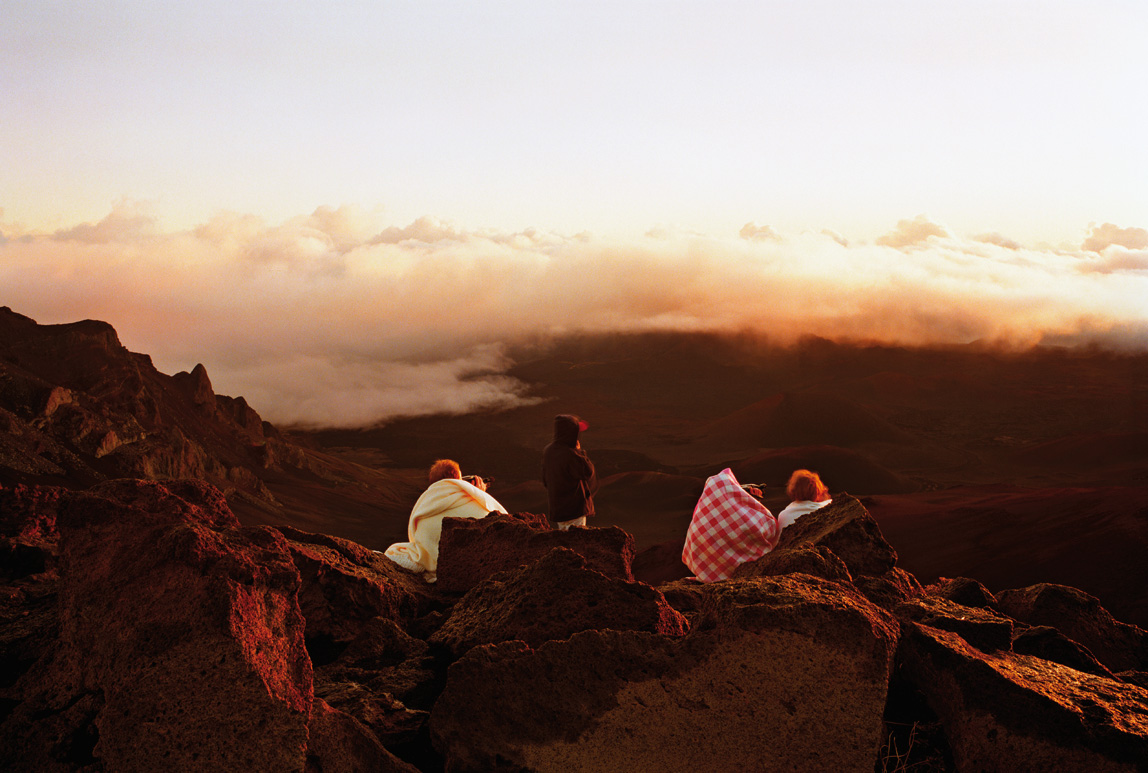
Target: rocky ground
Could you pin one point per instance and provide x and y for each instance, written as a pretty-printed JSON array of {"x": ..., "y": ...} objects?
[
  {"x": 143, "y": 627},
  {"x": 183, "y": 585}
]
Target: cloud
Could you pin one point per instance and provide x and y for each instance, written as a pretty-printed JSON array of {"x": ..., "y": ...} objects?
[
  {"x": 128, "y": 221},
  {"x": 998, "y": 240},
  {"x": 354, "y": 392},
  {"x": 754, "y": 231},
  {"x": 910, "y": 233},
  {"x": 1118, "y": 262},
  {"x": 425, "y": 229},
  {"x": 835, "y": 236},
  {"x": 333, "y": 319},
  {"x": 1108, "y": 235}
]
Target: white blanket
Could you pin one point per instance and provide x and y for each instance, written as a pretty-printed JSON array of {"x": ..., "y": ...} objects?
[{"x": 449, "y": 497}]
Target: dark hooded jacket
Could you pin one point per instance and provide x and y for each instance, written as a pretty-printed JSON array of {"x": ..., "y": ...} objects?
[{"x": 568, "y": 473}]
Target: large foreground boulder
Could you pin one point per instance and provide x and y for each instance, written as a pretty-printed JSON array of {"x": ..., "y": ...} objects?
[
  {"x": 788, "y": 673},
  {"x": 179, "y": 629},
  {"x": 180, "y": 647},
  {"x": 1005, "y": 711},
  {"x": 472, "y": 549},
  {"x": 554, "y": 598}
]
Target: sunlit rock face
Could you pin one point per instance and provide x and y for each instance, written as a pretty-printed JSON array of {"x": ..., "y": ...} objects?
[
  {"x": 176, "y": 622},
  {"x": 791, "y": 658},
  {"x": 1079, "y": 616},
  {"x": 1007, "y": 711},
  {"x": 180, "y": 643}
]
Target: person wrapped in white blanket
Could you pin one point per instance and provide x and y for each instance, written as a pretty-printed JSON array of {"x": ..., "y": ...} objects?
[{"x": 449, "y": 495}]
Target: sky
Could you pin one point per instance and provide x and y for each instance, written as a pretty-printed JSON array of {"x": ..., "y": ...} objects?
[{"x": 346, "y": 210}]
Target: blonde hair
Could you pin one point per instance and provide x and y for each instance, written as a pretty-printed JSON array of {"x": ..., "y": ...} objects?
[
  {"x": 806, "y": 486},
  {"x": 444, "y": 468}
]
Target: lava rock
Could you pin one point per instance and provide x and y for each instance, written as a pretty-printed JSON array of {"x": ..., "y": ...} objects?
[
  {"x": 472, "y": 549},
  {"x": 345, "y": 586},
  {"x": 553, "y": 598},
  {"x": 816, "y": 560},
  {"x": 981, "y": 628},
  {"x": 788, "y": 673},
  {"x": 962, "y": 590},
  {"x": 845, "y": 527},
  {"x": 1080, "y": 617},
  {"x": 1004, "y": 711},
  {"x": 889, "y": 589}
]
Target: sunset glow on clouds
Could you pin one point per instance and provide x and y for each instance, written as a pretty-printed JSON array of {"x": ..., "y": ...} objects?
[
  {"x": 514, "y": 169},
  {"x": 331, "y": 318}
]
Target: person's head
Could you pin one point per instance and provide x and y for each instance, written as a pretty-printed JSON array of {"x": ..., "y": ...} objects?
[
  {"x": 444, "y": 468},
  {"x": 806, "y": 486},
  {"x": 567, "y": 428}
]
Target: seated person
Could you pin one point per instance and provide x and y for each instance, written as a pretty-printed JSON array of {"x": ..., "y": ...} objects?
[
  {"x": 729, "y": 527},
  {"x": 447, "y": 496},
  {"x": 808, "y": 494}
]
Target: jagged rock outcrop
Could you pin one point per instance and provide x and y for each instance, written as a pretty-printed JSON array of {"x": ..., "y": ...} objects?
[
  {"x": 1047, "y": 643},
  {"x": 962, "y": 590},
  {"x": 889, "y": 589},
  {"x": 170, "y": 610},
  {"x": 722, "y": 698},
  {"x": 554, "y": 598},
  {"x": 1080, "y": 617},
  {"x": 180, "y": 642},
  {"x": 345, "y": 587},
  {"x": 981, "y": 628},
  {"x": 29, "y": 622},
  {"x": 472, "y": 549},
  {"x": 816, "y": 560},
  {"x": 78, "y": 406},
  {"x": 28, "y": 533},
  {"x": 339, "y": 742},
  {"x": 1005, "y": 711},
  {"x": 386, "y": 679},
  {"x": 845, "y": 527}
]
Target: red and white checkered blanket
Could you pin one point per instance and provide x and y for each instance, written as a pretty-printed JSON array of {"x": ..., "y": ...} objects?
[{"x": 729, "y": 528}]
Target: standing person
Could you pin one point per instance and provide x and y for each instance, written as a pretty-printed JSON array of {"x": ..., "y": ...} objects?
[{"x": 568, "y": 474}]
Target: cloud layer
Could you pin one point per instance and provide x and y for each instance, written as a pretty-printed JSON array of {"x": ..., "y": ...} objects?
[{"x": 332, "y": 319}]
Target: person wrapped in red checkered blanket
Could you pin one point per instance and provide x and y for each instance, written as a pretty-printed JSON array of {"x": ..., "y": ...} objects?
[{"x": 729, "y": 528}]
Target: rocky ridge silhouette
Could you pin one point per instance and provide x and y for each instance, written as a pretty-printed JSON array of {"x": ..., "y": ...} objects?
[{"x": 76, "y": 408}]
